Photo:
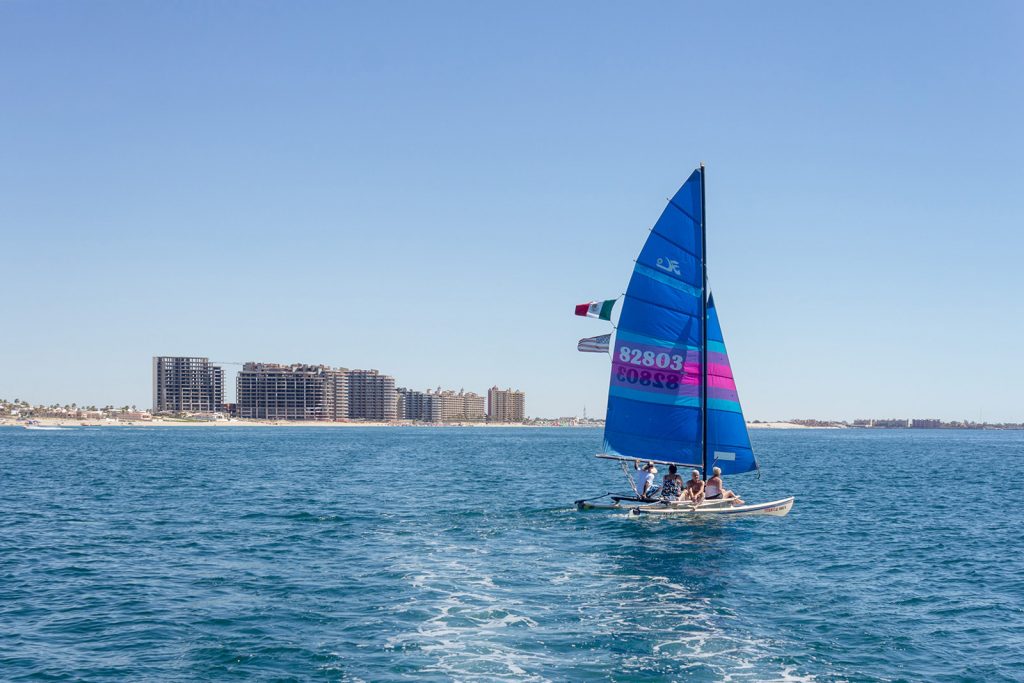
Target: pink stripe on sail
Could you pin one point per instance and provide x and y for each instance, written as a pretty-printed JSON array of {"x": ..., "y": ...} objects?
[
  {"x": 715, "y": 370},
  {"x": 718, "y": 382},
  {"x": 631, "y": 355}
]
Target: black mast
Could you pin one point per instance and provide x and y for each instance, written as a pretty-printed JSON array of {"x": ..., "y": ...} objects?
[{"x": 704, "y": 328}]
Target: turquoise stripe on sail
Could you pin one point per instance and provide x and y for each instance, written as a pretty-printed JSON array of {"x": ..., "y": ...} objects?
[
  {"x": 716, "y": 347},
  {"x": 724, "y": 404},
  {"x": 652, "y": 397},
  {"x": 665, "y": 279},
  {"x": 623, "y": 335}
]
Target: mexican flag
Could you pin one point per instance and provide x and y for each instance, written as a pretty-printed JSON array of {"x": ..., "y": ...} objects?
[{"x": 596, "y": 309}]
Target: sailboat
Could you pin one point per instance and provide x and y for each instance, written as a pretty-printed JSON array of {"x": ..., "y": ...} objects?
[
  {"x": 672, "y": 398},
  {"x": 35, "y": 424}
]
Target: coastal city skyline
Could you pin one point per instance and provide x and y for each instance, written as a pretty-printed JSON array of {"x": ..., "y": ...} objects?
[
  {"x": 16, "y": 410},
  {"x": 193, "y": 385}
]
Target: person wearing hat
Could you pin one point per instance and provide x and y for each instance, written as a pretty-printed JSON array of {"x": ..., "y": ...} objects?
[
  {"x": 714, "y": 489},
  {"x": 694, "y": 488},
  {"x": 644, "y": 479}
]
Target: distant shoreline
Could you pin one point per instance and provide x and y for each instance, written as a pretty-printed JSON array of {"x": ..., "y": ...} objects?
[
  {"x": 171, "y": 422},
  {"x": 64, "y": 422},
  {"x": 787, "y": 425}
]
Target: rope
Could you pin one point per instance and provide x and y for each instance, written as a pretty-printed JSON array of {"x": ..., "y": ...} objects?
[
  {"x": 587, "y": 500},
  {"x": 629, "y": 478}
]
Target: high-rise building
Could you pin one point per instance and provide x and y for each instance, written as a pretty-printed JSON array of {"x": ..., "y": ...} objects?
[
  {"x": 473, "y": 406},
  {"x": 184, "y": 384},
  {"x": 505, "y": 405},
  {"x": 409, "y": 403},
  {"x": 440, "y": 405},
  {"x": 268, "y": 391},
  {"x": 415, "y": 405},
  {"x": 372, "y": 396}
]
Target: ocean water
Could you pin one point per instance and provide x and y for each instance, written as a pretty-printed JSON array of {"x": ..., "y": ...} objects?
[{"x": 407, "y": 554}]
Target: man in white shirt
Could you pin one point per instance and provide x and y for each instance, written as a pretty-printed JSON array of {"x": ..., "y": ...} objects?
[{"x": 644, "y": 478}]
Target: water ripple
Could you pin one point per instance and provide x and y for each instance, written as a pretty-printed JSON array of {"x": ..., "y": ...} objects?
[{"x": 419, "y": 554}]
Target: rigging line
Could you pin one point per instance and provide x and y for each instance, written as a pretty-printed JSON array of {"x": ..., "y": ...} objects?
[
  {"x": 675, "y": 244},
  {"x": 625, "y": 471},
  {"x": 587, "y": 500},
  {"x": 685, "y": 212}
]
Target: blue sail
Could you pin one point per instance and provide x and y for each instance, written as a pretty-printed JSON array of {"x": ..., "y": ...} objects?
[
  {"x": 654, "y": 396},
  {"x": 728, "y": 441}
]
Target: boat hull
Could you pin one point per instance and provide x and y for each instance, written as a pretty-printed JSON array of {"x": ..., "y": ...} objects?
[
  {"x": 581, "y": 505},
  {"x": 775, "y": 508}
]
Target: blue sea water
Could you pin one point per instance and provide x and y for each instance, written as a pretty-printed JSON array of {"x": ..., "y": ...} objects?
[{"x": 380, "y": 554}]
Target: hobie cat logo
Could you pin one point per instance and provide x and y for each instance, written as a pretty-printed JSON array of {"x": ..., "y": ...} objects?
[{"x": 671, "y": 265}]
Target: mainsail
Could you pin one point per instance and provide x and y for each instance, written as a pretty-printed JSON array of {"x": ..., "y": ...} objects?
[{"x": 655, "y": 395}]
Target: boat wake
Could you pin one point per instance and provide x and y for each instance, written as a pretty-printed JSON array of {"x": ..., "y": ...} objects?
[{"x": 536, "y": 616}]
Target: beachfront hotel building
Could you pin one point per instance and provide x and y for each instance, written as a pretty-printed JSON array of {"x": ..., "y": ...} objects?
[
  {"x": 410, "y": 404},
  {"x": 269, "y": 391},
  {"x": 440, "y": 406},
  {"x": 186, "y": 384},
  {"x": 473, "y": 406},
  {"x": 372, "y": 396},
  {"x": 505, "y": 405}
]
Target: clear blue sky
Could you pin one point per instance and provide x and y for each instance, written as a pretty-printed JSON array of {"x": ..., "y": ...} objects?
[{"x": 429, "y": 188}]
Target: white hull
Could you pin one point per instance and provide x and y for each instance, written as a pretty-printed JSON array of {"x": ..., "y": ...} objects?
[
  {"x": 630, "y": 504},
  {"x": 45, "y": 429},
  {"x": 601, "y": 506},
  {"x": 776, "y": 508}
]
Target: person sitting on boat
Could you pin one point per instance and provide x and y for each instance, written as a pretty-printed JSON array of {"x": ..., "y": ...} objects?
[
  {"x": 671, "y": 485},
  {"x": 694, "y": 488},
  {"x": 715, "y": 490},
  {"x": 644, "y": 479}
]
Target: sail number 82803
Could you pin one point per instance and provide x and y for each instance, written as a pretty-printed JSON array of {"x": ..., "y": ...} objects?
[
  {"x": 650, "y": 359},
  {"x": 653, "y": 360}
]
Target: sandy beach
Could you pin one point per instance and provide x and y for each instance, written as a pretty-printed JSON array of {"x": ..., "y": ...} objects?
[
  {"x": 783, "y": 425},
  {"x": 170, "y": 422}
]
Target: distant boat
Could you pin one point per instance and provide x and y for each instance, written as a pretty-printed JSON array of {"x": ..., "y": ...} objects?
[
  {"x": 34, "y": 424},
  {"x": 672, "y": 399}
]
